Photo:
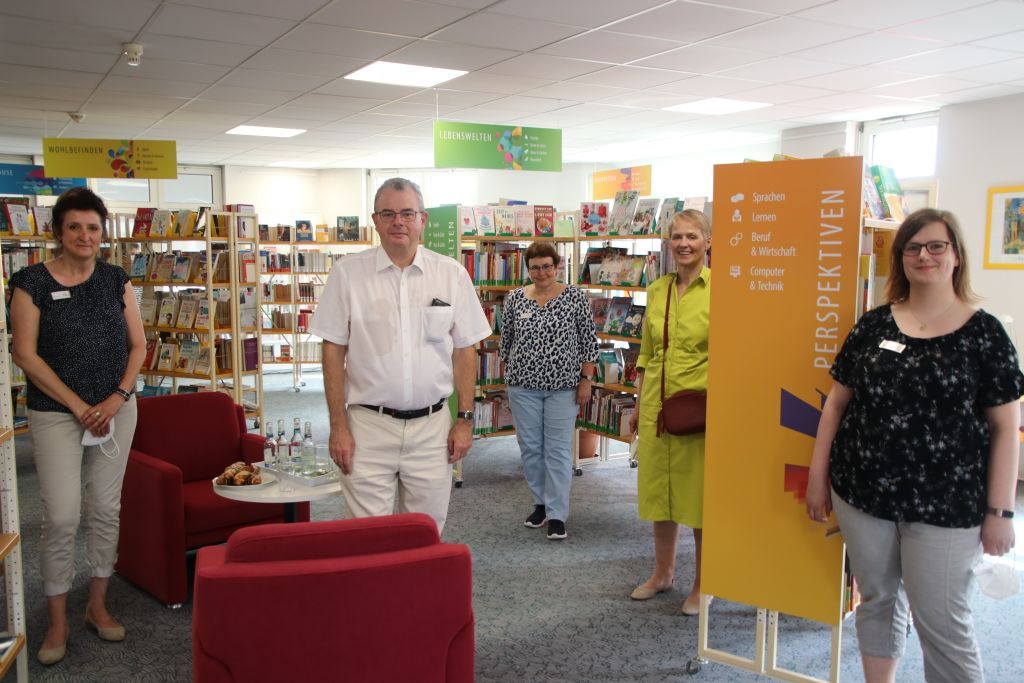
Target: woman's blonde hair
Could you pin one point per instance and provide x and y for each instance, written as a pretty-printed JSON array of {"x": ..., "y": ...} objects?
[{"x": 697, "y": 218}]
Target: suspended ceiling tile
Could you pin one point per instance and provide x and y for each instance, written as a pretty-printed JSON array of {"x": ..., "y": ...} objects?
[
  {"x": 293, "y": 9},
  {"x": 378, "y": 91},
  {"x": 308, "y": 116},
  {"x": 611, "y": 47},
  {"x": 781, "y": 94},
  {"x": 503, "y": 31},
  {"x": 589, "y": 13},
  {"x": 146, "y": 86},
  {"x": 23, "y": 31},
  {"x": 44, "y": 56},
  {"x": 709, "y": 86},
  {"x": 203, "y": 106},
  {"x": 773, "y": 6},
  {"x": 335, "y": 40},
  {"x": 59, "y": 77},
  {"x": 228, "y": 93},
  {"x": 781, "y": 69},
  {"x": 181, "y": 49},
  {"x": 399, "y": 17},
  {"x": 170, "y": 71},
  {"x": 857, "y": 78},
  {"x": 631, "y": 77},
  {"x": 974, "y": 23},
  {"x": 644, "y": 99},
  {"x": 297, "y": 62},
  {"x": 785, "y": 34},
  {"x": 417, "y": 109},
  {"x": 577, "y": 92},
  {"x": 544, "y": 67},
  {"x": 196, "y": 22},
  {"x": 951, "y": 58},
  {"x": 1008, "y": 41},
  {"x": 533, "y": 105},
  {"x": 275, "y": 80},
  {"x": 1003, "y": 72},
  {"x": 341, "y": 105},
  {"x": 868, "y": 49},
  {"x": 128, "y": 15},
  {"x": 688, "y": 21},
  {"x": 451, "y": 98},
  {"x": 702, "y": 59},
  {"x": 881, "y": 14},
  {"x": 449, "y": 55},
  {"x": 501, "y": 83},
  {"x": 923, "y": 87},
  {"x": 983, "y": 93}
]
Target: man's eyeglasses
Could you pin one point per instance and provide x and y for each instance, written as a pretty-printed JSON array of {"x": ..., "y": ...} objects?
[
  {"x": 407, "y": 215},
  {"x": 934, "y": 247},
  {"x": 544, "y": 268}
]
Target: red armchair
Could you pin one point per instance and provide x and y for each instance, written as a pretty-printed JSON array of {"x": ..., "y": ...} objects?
[
  {"x": 373, "y": 599},
  {"x": 168, "y": 505}
]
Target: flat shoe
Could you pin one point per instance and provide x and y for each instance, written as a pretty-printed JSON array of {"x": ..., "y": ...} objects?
[
  {"x": 691, "y": 606},
  {"x": 645, "y": 592},
  {"x": 113, "y": 634},
  {"x": 52, "y": 655}
]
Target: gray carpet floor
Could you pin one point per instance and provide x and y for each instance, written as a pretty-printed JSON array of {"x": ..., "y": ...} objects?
[{"x": 545, "y": 611}]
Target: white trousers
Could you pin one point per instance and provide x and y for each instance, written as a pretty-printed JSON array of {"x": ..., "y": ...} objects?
[
  {"x": 401, "y": 463},
  {"x": 58, "y": 452}
]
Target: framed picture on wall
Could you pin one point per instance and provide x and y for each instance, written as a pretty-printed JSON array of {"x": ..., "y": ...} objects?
[{"x": 1004, "y": 240}]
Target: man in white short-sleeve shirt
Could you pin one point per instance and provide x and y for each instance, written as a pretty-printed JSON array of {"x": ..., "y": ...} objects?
[{"x": 399, "y": 324}]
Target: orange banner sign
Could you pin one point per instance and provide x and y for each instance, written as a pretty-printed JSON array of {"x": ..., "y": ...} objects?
[
  {"x": 785, "y": 287},
  {"x": 607, "y": 183}
]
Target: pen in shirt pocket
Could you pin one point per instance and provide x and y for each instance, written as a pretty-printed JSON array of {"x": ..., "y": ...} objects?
[{"x": 439, "y": 302}]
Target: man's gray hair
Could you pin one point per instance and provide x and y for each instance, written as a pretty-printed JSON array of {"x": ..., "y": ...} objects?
[{"x": 398, "y": 185}]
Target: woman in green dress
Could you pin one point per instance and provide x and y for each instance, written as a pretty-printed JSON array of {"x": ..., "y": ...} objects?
[{"x": 670, "y": 482}]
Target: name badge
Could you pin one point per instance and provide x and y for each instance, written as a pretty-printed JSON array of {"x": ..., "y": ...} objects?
[
  {"x": 62, "y": 294},
  {"x": 526, "y": 314},
  {"x": 892, "y": 346}
]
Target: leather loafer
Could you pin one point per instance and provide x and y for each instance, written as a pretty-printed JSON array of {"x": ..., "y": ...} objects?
[
  {"x": 691, "y": 606},
  {"x": 645, "y": 592},
  {"x": 114, "y": 634},
  {"x": 52, "y": 655}
]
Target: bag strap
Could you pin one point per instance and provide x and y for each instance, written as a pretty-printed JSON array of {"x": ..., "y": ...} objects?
[{"x": 664, "y": 352}]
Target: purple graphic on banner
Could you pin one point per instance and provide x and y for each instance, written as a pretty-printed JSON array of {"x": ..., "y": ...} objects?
[{"x": 798, "y": 415}]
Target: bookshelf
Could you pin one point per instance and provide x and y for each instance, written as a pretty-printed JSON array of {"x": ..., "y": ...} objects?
[
  {"x": 10, "y": 538},
  {"x": 199, "y": 296},
  {"x": 292, "y": 277}
]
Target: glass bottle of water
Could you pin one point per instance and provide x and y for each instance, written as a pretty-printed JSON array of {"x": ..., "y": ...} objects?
[
  {"x": 308, "y": 452},
  {"x": 270, "y": 448},
  {"x": 295, "y": 448},
  {"x": 283, "y": 461}
]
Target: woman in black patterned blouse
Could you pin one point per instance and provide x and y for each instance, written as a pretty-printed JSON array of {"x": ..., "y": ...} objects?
[
  {"x": 549, "y": 347},
  {"x": 79, "y": 338},
  {"x": 918, "y": 441}
]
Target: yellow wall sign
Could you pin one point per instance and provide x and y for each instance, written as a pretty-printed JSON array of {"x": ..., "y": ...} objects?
[
  {"x": 786, "y": 248},
  {"x": 66, "y": 157},
  {"x": 607, "y": 183}
]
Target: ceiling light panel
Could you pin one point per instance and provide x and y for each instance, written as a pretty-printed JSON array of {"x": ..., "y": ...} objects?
[
  {"x": 395, "y": 73},
  {"x": 717, "y": 106},
  {"x": 265, "y": 131}
]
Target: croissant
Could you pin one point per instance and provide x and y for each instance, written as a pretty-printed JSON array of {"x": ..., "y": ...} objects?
[
  {"x": 255, "y": 479},
  {"x": 223, "y": 480},
  {"x": 242, "y": 478}
]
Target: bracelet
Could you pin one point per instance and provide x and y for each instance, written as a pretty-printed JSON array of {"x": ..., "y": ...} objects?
[
  {"x": 587, "y": 377},
  {"x": 999, "y": 512},
  {"x": 122, "y": 393}
]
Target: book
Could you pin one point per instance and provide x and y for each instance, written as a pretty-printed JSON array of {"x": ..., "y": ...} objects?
[
  {"x": 139, "y": 269},
  {"x": 594, "y": 218},
  {"x": 245, "y": 227},
  {"x": 220, "y": 224},
  {"x": 183, "y": 265},
  {"x": 220, "y": 267},
  {"x": 17, "y": 219},
  {"x": 43, "y": 216},
  {"x": 164, "y": 267},
  {"x": 5, "y": 227},
  {"x": 347, "y": 229},
  {"x": 544, "y": 221},
  {"x": 623, "y": 208},
  {"x": 467, "y": 222},
  {"x": 281, "y": 233},
  {"x": 148, "y": 307},
  {"x": 202, "y": 366},
  {"x": 168, "y": 311},
  {"x": 303, "y": 231},
  {"x": 161, "y": 223},
  {"x": 202, "y": 221},
  {"x": 617, "y": 312},
  {"x": 504, "y": 220},
  {"x": 240, "y": 208},
  {"x": 484, "y": 217},
  {"x": 599, "y": 310},
  {"x": 188, "y": 354},
  {"x": 202, "y": 320},
  {"x": 524, "y": 221},
  {"x": 566, "y": 223},
  {"x": 248, "y": 315},
  {"x": 644, "y": 217},
  {"x": 633, "y": 324},
  {"x": 250, "y": 353},
  {"x": 151, "y": 346},
  {"x": 872, "y": 201},
  {"x": 188, "y": 309},
  {"x": 889, "y": 191},
  {"x": 168, "y": 356},
  {"x": 669, "y": 208},
  {"x": 629, "y": 358}
]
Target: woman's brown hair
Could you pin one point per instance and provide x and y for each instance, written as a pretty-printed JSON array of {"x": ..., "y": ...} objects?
[{"x": 898, "y": 288}]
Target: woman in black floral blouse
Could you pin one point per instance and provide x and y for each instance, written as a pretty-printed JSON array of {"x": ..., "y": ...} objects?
[
  {"x": 549, "y": 347},
  {"x": 918, "y": 440}
]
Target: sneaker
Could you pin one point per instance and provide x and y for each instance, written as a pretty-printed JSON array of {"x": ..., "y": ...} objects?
[
  {"x": 556, "y": 530},
  {"x": 537, "y": 519}
]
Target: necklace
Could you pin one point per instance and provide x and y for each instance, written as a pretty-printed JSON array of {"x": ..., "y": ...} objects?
[{"x": 924, "y": 324}]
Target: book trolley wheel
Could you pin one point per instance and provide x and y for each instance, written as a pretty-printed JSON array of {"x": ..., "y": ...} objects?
[
  {"x": 632, "y": 463},
  {"x": 458, "y": 483},
  {"x": 578, "y": 471},
  {"x": 693, "y": 666}
]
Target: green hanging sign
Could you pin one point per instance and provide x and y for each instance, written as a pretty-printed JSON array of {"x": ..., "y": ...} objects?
[
  {"x": 441, "y": 232},
  {"x": 484, "y": 145}
]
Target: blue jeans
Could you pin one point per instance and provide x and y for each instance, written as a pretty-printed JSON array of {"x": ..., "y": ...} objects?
[{"x": 545, "y": 421}]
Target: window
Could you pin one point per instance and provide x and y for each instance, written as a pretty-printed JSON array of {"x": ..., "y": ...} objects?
[
  {"x": 908, "y": 146},
  {"x": 189, "y": 188},
  {"x": 122, "y": 190}
]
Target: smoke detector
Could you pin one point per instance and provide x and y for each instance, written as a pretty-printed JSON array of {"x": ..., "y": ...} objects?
[
  {"x": 133, "y": 52},
  {"x": 76, "y": 116}
]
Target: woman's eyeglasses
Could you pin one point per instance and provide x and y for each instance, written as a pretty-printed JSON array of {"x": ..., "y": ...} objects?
[
  {"x": 934, "y": 247},
  {"x": 544, "y": 268}
]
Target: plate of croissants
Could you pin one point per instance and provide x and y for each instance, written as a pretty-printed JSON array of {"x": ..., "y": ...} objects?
[{"x": 243, "y": 474}]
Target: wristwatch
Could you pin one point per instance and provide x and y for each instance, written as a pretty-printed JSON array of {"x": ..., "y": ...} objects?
[
  {"x": 999, "y": 512},
  {"x": 465, "y": 415}
]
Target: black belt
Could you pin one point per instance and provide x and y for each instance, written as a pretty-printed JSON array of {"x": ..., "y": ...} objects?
[{"x": 406, "y": 414}]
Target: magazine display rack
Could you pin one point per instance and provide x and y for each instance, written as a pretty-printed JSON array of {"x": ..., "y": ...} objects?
[
  {"x": 293, "y": 275},
  {"x": 12, "y": 641},
  {"x": 199, "y": 298}
]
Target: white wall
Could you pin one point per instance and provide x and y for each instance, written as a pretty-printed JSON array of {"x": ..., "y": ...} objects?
[{"x": 979, "y": 147}]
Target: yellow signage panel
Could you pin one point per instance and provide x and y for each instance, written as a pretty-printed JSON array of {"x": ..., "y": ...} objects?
[
  {"x": 607, "y": 183},
  {"x": 784, "y": 269},
  {"x": 89, "y": 158}
]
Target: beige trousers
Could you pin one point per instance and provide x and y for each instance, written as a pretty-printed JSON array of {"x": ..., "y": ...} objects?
[
  {"x": 59, "y": 453},
  {"x": 403, "y": 462}
]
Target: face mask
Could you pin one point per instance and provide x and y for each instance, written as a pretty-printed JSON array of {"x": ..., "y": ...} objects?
[
  {"x": 997, "y": 578},
  {"x": 89, "y": 440}
]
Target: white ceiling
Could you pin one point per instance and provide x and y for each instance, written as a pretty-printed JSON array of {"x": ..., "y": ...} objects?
[{"x": 602, "y": 70}]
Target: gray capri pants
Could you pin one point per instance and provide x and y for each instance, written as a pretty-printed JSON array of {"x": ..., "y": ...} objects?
[
  {"x": 58, "y": 452},
  {"x": 929, "y": 567}
]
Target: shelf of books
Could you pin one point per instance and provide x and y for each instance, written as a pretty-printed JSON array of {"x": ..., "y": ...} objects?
[
  {"x": 12, "y": 640},
  {"x": 294, "y": 266},
  {"x": 196, "y": 276}
]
